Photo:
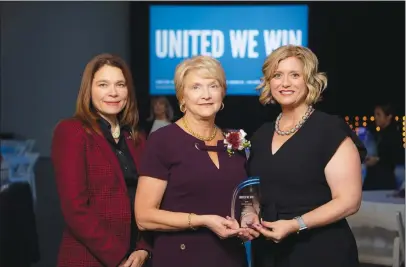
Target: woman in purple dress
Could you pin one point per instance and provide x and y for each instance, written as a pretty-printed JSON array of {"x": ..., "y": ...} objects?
[{"x": 187, "y": 178}]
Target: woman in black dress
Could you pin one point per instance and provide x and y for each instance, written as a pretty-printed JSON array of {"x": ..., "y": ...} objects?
[{"x": 309, "y": 168}]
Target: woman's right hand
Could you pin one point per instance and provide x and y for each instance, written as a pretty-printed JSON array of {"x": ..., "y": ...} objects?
[{"x": 222, "y": 227}]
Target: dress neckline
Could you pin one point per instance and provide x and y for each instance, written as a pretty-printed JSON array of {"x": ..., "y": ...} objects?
[
  {"x": 201, "y": 145},
  {"x": 290, "y": 139}
]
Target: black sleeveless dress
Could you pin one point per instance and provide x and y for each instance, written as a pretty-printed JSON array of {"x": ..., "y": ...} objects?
[{"x": 293, "y": 183}]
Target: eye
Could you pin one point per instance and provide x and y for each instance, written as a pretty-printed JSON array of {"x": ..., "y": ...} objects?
[
  {"x": 295, "y": 75},
  {"x": 121, "y": 85},
  {"x": 195, "y": 87},
  {"x": 103, "y": 85},
  {"x": 277, "y": 75},
  {"x": 214, "y": 86}
]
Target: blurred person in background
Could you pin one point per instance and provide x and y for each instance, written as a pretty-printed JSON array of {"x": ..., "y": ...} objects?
[
  {"x": 161, "y": 114},
  {"x": 390, "y": 152},
  {"x": 95, "y": 156}
]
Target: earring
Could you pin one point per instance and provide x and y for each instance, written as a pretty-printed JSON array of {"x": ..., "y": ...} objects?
[
  {"x": 182, "y": 108},
  {"x": 222, "y": 106}
]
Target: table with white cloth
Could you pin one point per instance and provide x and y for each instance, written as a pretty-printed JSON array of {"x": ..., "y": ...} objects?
[{"x": 375, "y": 224}]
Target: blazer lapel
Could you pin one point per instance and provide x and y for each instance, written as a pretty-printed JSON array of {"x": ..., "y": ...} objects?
[{"x": 110, "y": 156}]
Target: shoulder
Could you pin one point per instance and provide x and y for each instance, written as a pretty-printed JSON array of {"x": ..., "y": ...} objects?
[
  {"x": 69, "y": 137},
  {"x": 263, "y": 132},
  {"x": 329, "y": 122},
  {"x": 329, "y": 125},
  {"x": 164, "y": 137},
  {"x": 70, "y": 126},
  {"x": 334, "y": 130},
  {"x": 168, "y": 131},
  {"x": 326, "y": 117}
]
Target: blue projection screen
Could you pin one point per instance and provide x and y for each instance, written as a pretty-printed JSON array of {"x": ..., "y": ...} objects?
[{"x": 240, "y": 37}]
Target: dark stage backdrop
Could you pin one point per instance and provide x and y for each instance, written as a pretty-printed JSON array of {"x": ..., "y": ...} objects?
[{"x": 361, "y": 46}]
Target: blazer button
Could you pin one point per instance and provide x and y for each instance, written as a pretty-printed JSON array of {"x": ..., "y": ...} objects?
[{"x": 182, "y": 246}]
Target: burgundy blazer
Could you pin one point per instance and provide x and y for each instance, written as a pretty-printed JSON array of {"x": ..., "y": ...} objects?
[{"x": 93, "y": 196}]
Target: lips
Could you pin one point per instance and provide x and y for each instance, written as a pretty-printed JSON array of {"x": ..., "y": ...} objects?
[
  {"x": 112, "y": 103},
  {"x": 286, "y": 92}
]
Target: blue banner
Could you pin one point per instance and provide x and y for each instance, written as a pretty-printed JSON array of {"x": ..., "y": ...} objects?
[{"x": 240, "y": 37}]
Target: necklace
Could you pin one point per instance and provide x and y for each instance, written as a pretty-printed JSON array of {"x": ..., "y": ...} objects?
[
  {"x": 309, "y": 111},
  {"x": 116, "y": 132},
  {"x": 198, "y": 136}
]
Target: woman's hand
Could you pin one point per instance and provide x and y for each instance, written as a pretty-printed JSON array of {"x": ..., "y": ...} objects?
[
  {"x": 247, "y": 221},
  {"x": 136, "y": 259},
  {"x": 222, "y": 227},
  {"x": 371, "y": 161},
  {"x": 278, "y": 230}
]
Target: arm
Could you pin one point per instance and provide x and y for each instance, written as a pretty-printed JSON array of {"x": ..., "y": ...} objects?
[
  {"x": 68, "y": 156},
  {"x": 150, "y": 217},
  {"x": 343, "y": 174},
  {"x": 152, "y": 183},
  {"x": 144, "y": 242}
]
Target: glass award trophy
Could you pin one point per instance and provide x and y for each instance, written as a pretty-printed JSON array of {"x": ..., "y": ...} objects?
[{"x": 245, "y": 198}]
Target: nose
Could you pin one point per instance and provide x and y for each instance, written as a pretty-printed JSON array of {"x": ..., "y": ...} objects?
[
  {"x": 113, "y": 91},
  {"x": 286, "y": 82},
  {"x": 206, "y": 94}
]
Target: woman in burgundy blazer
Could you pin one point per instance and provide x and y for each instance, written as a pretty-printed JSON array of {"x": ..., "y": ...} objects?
[{"x": 95, "y": 156}]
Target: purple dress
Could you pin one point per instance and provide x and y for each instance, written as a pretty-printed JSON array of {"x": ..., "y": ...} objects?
[{"x": 195, "y": 185}]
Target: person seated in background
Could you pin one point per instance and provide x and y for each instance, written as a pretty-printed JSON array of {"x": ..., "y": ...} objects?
[
  {"x": 390, "y": 152},
  {"x": 161, "y": 114}
]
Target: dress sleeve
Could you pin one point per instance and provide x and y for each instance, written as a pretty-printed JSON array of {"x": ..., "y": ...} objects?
[
  {"x": 336, "y": 131},
  {"x": 154, "y": 162}
]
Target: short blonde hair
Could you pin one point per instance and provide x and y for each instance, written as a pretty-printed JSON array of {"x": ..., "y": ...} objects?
[
  {"x": 316, "y": 82},
  {"x": 211, "y": 67}
]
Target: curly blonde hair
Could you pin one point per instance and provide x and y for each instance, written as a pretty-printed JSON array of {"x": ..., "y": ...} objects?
[{"x": 316, "y": 82}]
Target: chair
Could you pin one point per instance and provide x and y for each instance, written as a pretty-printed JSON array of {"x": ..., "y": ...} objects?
[
  {"x": 21, "y": 169},
  {"x": 367, "y": 226},
  {"x": 401, "y": 228},
  {"x": 17, "y": 147},
  {"x": 400, "y": 176}
]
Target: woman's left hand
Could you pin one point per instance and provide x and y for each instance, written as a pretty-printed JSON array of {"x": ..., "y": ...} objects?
[
  {"x": 278, "y": 230},
  {"x": 245, "y": 233},
  {"x": 136, "y": 259},
  {"x": 371, "y": 161}
]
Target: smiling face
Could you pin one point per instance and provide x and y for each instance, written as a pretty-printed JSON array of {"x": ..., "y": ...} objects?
[
  {"x": 109, "y": 91},
  {"x": 202, "y": 95},
  {"x": 288, "y": 86}
]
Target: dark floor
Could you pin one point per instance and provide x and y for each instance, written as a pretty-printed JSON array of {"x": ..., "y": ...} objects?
[{"x": 49, "y": 218}]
